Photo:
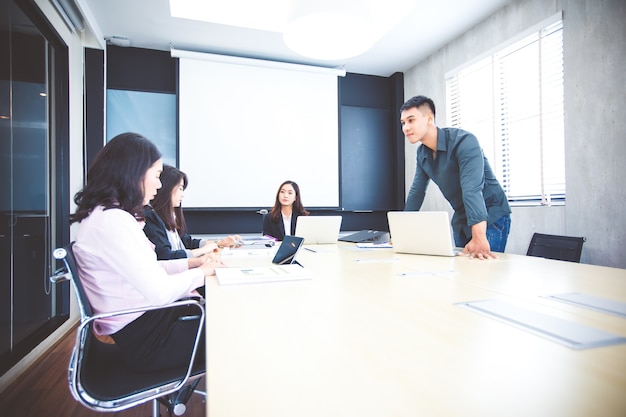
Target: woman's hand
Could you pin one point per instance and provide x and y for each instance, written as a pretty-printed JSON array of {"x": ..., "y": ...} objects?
[
  {"x": 208, "y": 247},
  {"x": 234, "y": 241},
  {"x": 209, "y": 266},
  {"x": 202, "y": 259}
]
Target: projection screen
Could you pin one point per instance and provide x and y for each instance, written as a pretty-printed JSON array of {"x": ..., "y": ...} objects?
[{"x": 244, "y": 129}]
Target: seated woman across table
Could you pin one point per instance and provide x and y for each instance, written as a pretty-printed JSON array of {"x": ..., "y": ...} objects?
[
  {"x": 165, "y": 221},
  {"x": 117, "y": 264},
  {"x": 281, "y": 220}
]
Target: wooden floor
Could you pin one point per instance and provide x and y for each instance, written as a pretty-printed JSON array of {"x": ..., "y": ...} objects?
[{"x": 43, "y": 391}]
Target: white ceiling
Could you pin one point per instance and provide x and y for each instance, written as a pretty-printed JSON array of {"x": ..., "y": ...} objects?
[{"x": 148, "y": 24}]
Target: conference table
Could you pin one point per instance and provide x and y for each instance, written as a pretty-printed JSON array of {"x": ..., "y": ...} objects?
[{"x": 375, "y": 333}]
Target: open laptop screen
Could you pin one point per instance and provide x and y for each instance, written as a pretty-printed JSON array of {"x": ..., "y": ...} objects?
[
  {"x": 421, "y": 232},
  {"x": 318, "y": 229}
]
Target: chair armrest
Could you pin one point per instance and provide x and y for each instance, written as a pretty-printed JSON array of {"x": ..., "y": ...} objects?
[
  {"x": 199, "y": 304},
  {"x": 177, "y": 303}
]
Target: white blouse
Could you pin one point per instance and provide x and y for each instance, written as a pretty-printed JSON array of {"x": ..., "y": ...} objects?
[
  {"x": 287, "y": 224},
  {"x": 119, "y": 270}
]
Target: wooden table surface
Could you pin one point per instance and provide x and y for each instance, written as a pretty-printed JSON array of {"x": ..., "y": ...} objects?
[{"x": 376, "y": 333}]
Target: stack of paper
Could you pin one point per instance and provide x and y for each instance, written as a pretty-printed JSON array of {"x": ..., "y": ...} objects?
[
  {"x": 259, "y": 241},
  {"x": 258, "y": 274},
  {"x": 377, "y": 245}
]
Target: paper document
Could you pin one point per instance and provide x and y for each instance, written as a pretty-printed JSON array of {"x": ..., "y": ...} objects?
[
  {"x": 374, "y": 245},
  {"x": 258, "y": 274},
  {"x": 258, "y": 241}
]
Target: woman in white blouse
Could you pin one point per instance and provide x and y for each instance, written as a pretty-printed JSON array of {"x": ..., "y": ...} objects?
[
  {"x": 281, "y": 220},
  {"x": 118, "y": 266}
]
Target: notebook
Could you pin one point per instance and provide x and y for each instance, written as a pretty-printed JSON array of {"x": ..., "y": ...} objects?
[
  {"x": 261, "y": 274},
  {"x": 284, "y": 267},
  {"x": 421, "y": 232},
  {"x": 318, "y": 229}
]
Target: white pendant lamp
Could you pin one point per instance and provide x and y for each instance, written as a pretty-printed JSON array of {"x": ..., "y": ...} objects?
[{"x": 329, "y": 30}]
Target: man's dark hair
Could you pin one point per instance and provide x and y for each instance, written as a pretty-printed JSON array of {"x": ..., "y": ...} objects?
[{"x": 417, "y": 102}]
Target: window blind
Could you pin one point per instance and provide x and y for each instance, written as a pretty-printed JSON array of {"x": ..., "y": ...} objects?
[{"x": 512, "y": 100}]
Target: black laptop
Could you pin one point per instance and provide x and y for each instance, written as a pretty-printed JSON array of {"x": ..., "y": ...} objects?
[{"x": 366, "y": 236}]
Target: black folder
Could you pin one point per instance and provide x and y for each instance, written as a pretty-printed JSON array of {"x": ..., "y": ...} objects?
[{"x": 366, "y": 236}]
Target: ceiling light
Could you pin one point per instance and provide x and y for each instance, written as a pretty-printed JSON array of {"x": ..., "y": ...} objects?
[
  {"x": 321, "y": 29},
  {"x": 330, "y": 30}
]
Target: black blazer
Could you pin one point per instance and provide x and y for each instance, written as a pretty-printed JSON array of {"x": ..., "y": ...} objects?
[
  {"x": 156, "y": 231},
  {"x": 277, "y": 229}
]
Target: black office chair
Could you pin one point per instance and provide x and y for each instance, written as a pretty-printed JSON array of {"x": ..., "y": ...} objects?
[
  {"x": 564, "y": 248},
  {"x": 97, "y": 376}
]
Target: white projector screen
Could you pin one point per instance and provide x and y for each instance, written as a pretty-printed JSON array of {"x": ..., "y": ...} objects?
[{"x": 246, "y": 129}]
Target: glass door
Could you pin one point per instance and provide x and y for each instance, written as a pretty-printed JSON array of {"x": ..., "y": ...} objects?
[{"x": 29, "y": 304}]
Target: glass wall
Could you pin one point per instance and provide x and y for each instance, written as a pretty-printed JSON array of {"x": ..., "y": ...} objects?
[{"x": 30, "y": 307}]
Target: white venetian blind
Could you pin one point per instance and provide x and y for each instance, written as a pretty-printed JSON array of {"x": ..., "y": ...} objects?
[{"x": 512, "y": 100}]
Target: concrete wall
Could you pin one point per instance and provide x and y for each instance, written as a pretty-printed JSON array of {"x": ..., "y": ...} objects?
[{"x": 594, "y": 38}]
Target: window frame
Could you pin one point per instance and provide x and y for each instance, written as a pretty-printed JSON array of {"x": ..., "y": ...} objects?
[{"x": 491, "y": 123}]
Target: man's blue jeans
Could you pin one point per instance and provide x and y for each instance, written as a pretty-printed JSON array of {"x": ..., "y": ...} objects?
[{"x": 497, "y": 235}]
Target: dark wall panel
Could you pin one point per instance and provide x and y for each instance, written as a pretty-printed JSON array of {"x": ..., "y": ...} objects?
[
  {"x": 366, "y": 158},
  {"x": 359, "y": 90},
  {"x": 94, "y": 107},
  {"x": 140, "y": 69}
]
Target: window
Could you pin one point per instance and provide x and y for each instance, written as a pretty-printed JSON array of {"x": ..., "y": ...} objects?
[
  {"x": 512, "y": 100},
  {"x": 150, "y": 114}
]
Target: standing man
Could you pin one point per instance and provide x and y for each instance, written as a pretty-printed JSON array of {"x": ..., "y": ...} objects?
[{"x": 454, "y": 160}]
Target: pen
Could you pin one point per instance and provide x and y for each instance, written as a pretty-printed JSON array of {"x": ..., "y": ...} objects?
[{"x": 310, "y": 250}]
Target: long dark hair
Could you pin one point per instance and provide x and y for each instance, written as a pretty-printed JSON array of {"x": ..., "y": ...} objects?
[
  {"x": 162, "y": 203},
  {"x": 115, "y": 178},
  {"x": 297, "y": 206}
]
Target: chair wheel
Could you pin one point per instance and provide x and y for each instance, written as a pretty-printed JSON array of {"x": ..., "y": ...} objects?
[{"x": 179, "y": 409}]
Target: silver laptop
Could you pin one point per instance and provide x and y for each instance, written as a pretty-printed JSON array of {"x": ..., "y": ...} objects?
[
  {"x": 421, "y": 232},
  {"x": 318, "y": 229}
]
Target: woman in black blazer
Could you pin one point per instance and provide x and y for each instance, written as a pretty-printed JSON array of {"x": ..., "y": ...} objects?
[
  {"x": 287, "y": 207},
  {"x": 165, "y": 222}
]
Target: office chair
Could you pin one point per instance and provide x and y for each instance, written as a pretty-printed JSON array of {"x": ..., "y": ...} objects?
[
  {"x": 564, "y": 248},
  {"x": 97, "y": 376}
]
